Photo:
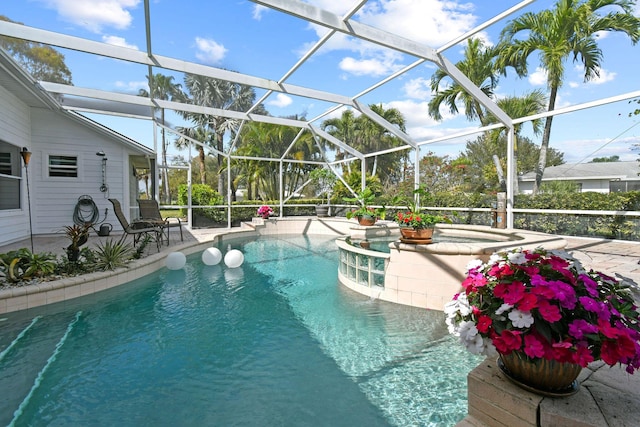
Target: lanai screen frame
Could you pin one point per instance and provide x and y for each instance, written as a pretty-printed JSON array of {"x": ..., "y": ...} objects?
[{"x": 136, "y": 107}]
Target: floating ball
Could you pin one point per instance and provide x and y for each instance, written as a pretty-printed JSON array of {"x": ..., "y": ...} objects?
[
  {"x": 212, "y": 256},
  {"x": 234, "y": 258},
  {"x": 175, "y": 260}
]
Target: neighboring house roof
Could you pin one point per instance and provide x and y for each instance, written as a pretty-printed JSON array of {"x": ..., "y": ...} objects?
[
  {"x": 17, "y": 81},
  {"x": 588, "y": 171}
]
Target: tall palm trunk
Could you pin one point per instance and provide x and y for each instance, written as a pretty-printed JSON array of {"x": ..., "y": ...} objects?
[
  {"x": 220, "y": 157},
  {"x": 165, "y": 172},
  {"x": 544, "y": 145},
  {"x": 203, "y": 171}
]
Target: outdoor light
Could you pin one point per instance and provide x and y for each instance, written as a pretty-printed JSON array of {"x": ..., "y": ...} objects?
[
  {"x": 104, "y": 187},
  {"x": 26, "y": 157}
]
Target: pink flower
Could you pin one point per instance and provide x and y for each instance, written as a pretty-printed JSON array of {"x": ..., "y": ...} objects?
[
  {"x": 583, "y": 355},
  {"x": 533, "y": 346},
  {"x": 579, "y": 327},
  {"x": 510, "y": 292},
  {"x": 549, "y": 312}
]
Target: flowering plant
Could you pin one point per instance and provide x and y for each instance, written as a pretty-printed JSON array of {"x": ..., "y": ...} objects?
[
  {"x": 418, "y": 220},
  {"x": 545, "y": 305},
  {"x": 264, "y": 211}
]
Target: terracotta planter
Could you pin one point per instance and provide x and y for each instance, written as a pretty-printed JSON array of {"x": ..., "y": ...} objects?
[
  {"x": 542, "y": 376},
  {"x": 420, "y": 234},
  {"x": 366, "y": 220}
]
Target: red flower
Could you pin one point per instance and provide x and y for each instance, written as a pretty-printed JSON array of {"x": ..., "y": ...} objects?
[
  {"x": 507, "y": 341},
  {"x": 484, "y": 323}
]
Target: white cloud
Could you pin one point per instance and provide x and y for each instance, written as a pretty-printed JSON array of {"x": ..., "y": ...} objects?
[
  {"x": 538, "y": 77},
  {"x": 604, "y": 77},
  {"x": 377, "y": 66},
  {"x": 281, "y": 101},
  {"x": 419, "y": 88},
  {"x": 430, "y": 22},
  {"x": 132, "y": 86},
  {"x": 258, "y": 11},
  {"x": 209, "y": 51},
  {"x": 118, "y": 41},
  {"x": 95, "y": 15}
]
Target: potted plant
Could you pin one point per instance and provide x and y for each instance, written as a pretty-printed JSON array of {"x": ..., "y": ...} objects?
[
  {"x": 78, "y": 234},
  {"x": 325, "y": 179},
  {"x": 541, "y": 310},
  {"x": 414, "y": 224},
  {"x": 265, "y": 211},
  {"x": 365, "y": 214}
]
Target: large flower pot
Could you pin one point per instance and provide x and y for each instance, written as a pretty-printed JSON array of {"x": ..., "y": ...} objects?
[
  {"x": 415, "y": 236},
  {"x": 542, "y": 376},
  {"x": 366, "y": 220}
]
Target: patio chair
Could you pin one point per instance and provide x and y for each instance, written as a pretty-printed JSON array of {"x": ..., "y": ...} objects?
[
  {"x": 150, "y": 212},
  {"x": 138, "y": 229}
]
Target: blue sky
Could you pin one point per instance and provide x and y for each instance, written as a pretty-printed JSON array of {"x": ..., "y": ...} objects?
[{"x": 241, "y": 36}]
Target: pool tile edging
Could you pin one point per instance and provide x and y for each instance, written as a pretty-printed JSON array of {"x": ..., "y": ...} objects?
[{"x": 30, "y": 296}]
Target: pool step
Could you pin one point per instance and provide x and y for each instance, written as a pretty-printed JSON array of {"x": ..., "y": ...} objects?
[{"x": 23, "y": 361}]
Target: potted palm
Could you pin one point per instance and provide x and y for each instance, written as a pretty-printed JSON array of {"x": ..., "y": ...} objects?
[
  {"x": 365, "y": 214},
  {"x": 325, "y": 179}
]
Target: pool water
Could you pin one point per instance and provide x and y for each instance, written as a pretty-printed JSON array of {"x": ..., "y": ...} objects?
[{"x": 276, "y": 342}]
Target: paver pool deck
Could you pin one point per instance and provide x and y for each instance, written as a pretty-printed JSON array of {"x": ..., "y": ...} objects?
[{"x": 607, "y": 396}]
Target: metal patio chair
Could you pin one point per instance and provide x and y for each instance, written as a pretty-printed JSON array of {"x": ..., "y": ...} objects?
[
  {"x": 150, "y": 212},
  {"x": 137, "y": 229}
]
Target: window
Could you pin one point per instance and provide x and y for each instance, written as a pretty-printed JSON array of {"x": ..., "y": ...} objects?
[
  {"x": 10, "y": 176},
  {"x": 5, "y": 163},
  {"x": 63, "y": 166}
]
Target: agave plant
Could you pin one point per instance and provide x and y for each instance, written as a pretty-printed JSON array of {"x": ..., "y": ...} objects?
[{"x": 112, "y": 254}]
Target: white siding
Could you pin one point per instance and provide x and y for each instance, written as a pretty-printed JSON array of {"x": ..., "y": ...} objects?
[
  {"x": 14, "y": 129},
  {"x": 55, "y": 199}
]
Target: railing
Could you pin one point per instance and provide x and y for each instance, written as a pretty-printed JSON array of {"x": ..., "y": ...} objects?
[{"x": 624, "y": 225}]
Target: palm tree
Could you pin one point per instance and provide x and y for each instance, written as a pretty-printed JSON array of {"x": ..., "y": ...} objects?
[
  {"x": 271, "y": 141},
  {"x": 373, "y": 137},
  {"x": 343, "y": 128},
  {"x": 198, "y": 133},
  {"x": 520, "y": 106},
  {"x": 569, "y": 30},
  {"x": 479, "y": 66},
  {"x": 222, "y": 94},
  {"x": 163, "y": 88}
]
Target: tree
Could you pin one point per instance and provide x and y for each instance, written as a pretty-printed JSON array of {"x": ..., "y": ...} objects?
[
  {"x": 441, "y": 173},
  {"x": 272, "y": 141},
  {"x": 367, "y": 136},
  {"x": 163, "y": 88},
  {"x": 516, "y": 107},
  {"x": 479, "y": 66},
  {"x": 569, "y": 30},
  {"x": 222, "y": 94},
  {"x": 373, "y": 137},
  {"x": 202, "y": 135},
  {"x": 481, "y": 169},
  {"x": 41, "y": 61},
  {"x": 614, "y": 158},
  {"x": 343, "y": 128}
]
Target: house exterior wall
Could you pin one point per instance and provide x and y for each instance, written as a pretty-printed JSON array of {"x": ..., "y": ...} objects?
[
  {"x": 595, "y": 185},
  {"x": 54, "y": 199},
  {"x": 15, "y": 129}
]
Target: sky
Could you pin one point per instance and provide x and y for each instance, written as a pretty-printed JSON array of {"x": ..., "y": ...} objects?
[{"x": 241, "y": 36}]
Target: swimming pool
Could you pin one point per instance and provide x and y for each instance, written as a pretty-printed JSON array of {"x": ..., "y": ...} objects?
[{"x": 275, "y": 342}]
